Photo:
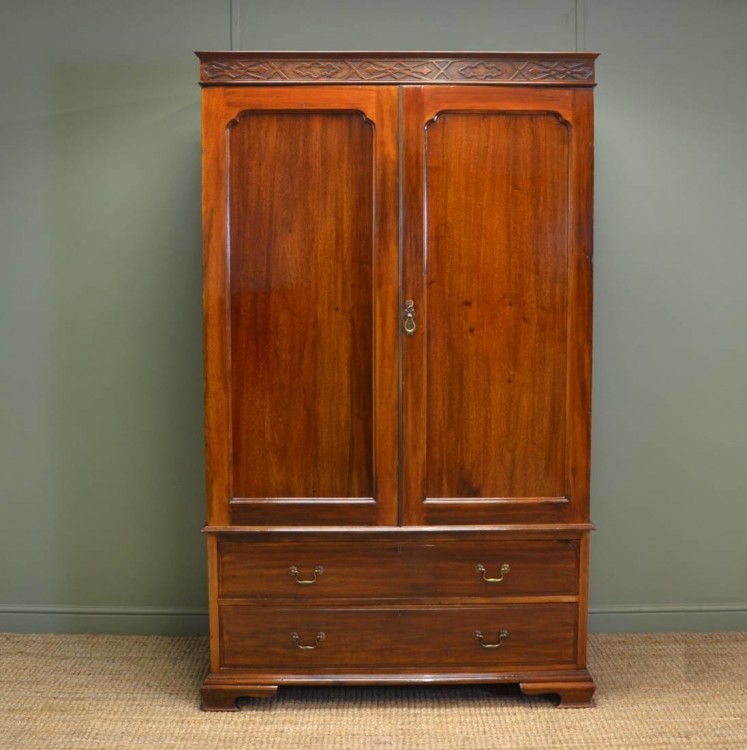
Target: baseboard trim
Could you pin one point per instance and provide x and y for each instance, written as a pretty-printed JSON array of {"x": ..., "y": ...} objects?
[
  {"x": 45, "y": 618},
  {"x": 665, "y": 618},
  {"x": 622, "y": 618}
]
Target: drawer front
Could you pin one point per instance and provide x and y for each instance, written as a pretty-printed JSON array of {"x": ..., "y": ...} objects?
[
  {"x": 318, "y": 570},
  {"x": 286, "y": 639}
]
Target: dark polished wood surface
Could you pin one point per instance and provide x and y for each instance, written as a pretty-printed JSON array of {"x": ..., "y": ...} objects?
[
  {"x": 301, "y": 304},
  {"x": 220, "y": 691},
  {"x": 397, "y": 492},
  {"x": 502, "y": 68},
  {"x": 301, "y": 383},
  {"x": 355, "y": 569},
  {"x": 383, "y": 638},
  {"x": 496, "y": 296},
  {"x": 496, "y": 204}
]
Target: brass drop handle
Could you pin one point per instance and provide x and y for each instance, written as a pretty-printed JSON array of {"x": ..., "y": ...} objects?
[
  {"x": 293, "y": 571},
  {"x": 296, "y": 638},
  {"x": 501, "y": 637},
  {"x": 408, "y": 322},
  {"x": 505, "y": 570}
]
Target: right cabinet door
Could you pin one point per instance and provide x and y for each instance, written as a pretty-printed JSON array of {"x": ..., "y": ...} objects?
[{"x": 497, "y": 261}]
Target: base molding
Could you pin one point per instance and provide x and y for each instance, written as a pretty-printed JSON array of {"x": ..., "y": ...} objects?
[{"x": 220, "y": 692}]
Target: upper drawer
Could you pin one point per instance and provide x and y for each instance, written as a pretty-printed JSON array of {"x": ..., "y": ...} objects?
[{"x": 406, "y": 569}]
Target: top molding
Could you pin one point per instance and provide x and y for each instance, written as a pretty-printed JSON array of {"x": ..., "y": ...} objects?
[{"x": 505, "y": 68}]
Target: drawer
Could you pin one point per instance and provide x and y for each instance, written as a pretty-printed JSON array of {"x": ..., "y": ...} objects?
[
  {"x": 287, "y": 639},
  {"x": 404, "y": 569}
]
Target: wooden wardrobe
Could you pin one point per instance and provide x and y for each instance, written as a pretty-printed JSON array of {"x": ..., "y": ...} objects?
[{"x": 397, "y": 299}]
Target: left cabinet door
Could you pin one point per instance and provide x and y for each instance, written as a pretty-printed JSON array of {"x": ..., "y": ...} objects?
[{"x": 300, "y": 254}]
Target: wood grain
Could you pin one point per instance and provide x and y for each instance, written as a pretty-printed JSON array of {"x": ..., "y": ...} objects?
[
  {"x": 301, "y": 188},
  {"x": 397, "y": 464},
  {"x": 300, "y": 305},
  {"x": 501, "y": 68},
  {"x": 495, "y": 204},
  {"x": 381, "y": 637},
  {"x": 496, "y": 285},
  {"x": 214, "y": 304},
  {"x": 574, "y": 686},
  {"x": 356, "y": 570}
]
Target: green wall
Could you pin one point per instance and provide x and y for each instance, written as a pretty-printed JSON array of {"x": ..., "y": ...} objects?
[
  {"x": 101, "y": 458},
  {"x": 101, "y": 476}
]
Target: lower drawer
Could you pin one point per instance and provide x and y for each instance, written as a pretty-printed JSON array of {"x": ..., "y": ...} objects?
[{"x": 309, "y": 639}]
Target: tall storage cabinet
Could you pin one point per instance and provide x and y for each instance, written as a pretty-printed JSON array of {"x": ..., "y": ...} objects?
[{"x": 397, "y": 297}]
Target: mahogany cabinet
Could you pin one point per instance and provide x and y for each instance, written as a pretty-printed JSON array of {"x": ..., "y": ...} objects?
[{"x": 397, "y": 309}]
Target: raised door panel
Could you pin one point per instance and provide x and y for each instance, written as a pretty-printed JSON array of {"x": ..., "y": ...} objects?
[
  {"x": 497, "y": 301},
  {"x": 309, "y": 356},
  {"x": 496, "y": 374},
  {"x": 301, "y": 239}
]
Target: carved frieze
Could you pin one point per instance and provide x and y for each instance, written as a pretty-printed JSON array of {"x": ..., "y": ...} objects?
[{"x": 234, "y": 68}]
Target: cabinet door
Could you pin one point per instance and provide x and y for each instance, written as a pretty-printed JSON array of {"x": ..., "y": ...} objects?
[
  {"x": 301, "y": 261},
  {"x": 497, "y": 199}
]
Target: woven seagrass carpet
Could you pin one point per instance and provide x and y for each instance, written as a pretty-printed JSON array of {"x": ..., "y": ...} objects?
[{"x": 76, "y": 692}]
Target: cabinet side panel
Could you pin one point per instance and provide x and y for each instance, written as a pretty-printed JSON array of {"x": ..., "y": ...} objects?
[
  {"x": 301, "y": 262},
  {"x": 497, "y": 275}
]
